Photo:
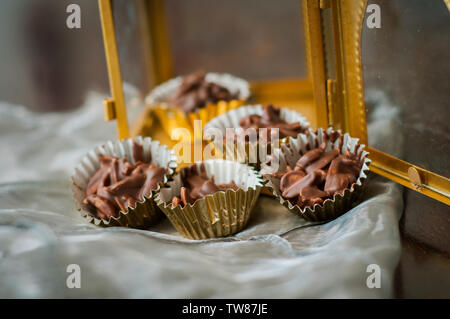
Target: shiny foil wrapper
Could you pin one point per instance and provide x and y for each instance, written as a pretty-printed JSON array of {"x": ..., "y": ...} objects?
[
  {"x": 247, "y": 153},
  {"x": 171, "y": 117},
  {"x": 220, "y": 214},
  {"x": 146, "y": 212},
  {"x": 291, "y": 152}
]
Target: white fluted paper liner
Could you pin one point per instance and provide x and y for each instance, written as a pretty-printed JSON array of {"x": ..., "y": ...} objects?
[
  {"x": 220, "y": 214},
  {"x": 145, "y": 213},
  {"x": 290, "y": 153},
  {"x": 235, "y": 85},
  {"x": 172, "y": 117},
  {"x": 232, "y": 118}
]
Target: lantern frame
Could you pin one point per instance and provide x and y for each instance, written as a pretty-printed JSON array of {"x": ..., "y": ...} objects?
[{"x": 334, "y": 88}]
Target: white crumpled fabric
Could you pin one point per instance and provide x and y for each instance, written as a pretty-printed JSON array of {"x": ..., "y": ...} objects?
[{"x": 277, "y": 256}]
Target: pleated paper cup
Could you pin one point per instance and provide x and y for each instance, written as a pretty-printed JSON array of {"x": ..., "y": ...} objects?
[
  {"x": 171, "y": 117},
  {"x": 290, "y": 153},
  {"x": 220, "y": 214},
  {"x": 145, "y": 213},
  {"x": 249, "y": 152}
]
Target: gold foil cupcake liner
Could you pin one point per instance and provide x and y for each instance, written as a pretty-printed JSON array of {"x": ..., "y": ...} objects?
[
  {"x": 146, "y": 212},
  {"x": 220, "y": 214},
  {"x": 171, "y": 117},
  {"x": 291, "y": 152},
  {"x": 249, "y": 153}
]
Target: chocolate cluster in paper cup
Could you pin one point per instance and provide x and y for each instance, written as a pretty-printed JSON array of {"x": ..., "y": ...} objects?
[
  {"x": 250, "y": 153},
  {"x": 171, "y": 117},
  {"x": 143, "y": 213},
  {"x": 219, "y": 214},
  {"x": 289, "y": 154}
]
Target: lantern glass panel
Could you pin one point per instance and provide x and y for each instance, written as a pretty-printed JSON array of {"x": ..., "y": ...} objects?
[
  {"x": 253, "y": 39},
  {"x": 133, "y": 46},
  {"x": 406, "y": 67}
]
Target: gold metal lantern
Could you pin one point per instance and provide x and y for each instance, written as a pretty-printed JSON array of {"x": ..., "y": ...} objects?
[{"x": 332, "y": 94}]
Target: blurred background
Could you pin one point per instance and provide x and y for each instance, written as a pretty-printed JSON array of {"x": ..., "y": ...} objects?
[
  {"x": 48, "y": 67},
  {"x": 44, "y": 65}
]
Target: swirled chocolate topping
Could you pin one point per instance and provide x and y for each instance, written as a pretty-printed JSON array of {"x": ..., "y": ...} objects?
[
  {"x": 195, "y": 93},
  {"x": 118, "y": 184},
  {"x": 319, "y": 175},
  {"x": 196, "y": 185},
  {"x": 270, "y": 120}
]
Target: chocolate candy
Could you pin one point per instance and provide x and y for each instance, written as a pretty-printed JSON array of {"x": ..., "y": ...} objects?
[
  {"x": 195, "y": 93},
  {"x": 118, "y": 184},
  {"x": 343, "y": 171},
  {"x": 196, "y": 185},
  {"x": 271, "y": 120},
  {"x": 318, "y": 175}
]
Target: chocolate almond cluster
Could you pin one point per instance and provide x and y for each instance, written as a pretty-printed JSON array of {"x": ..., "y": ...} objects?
[
  {"x": 118, "y": 184},
  {"x": 318, "y": 175},
  {"x": 271, "y": 120},
  {"x": 196, "y": 185},
  {"x": 195, "y": 93}
]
